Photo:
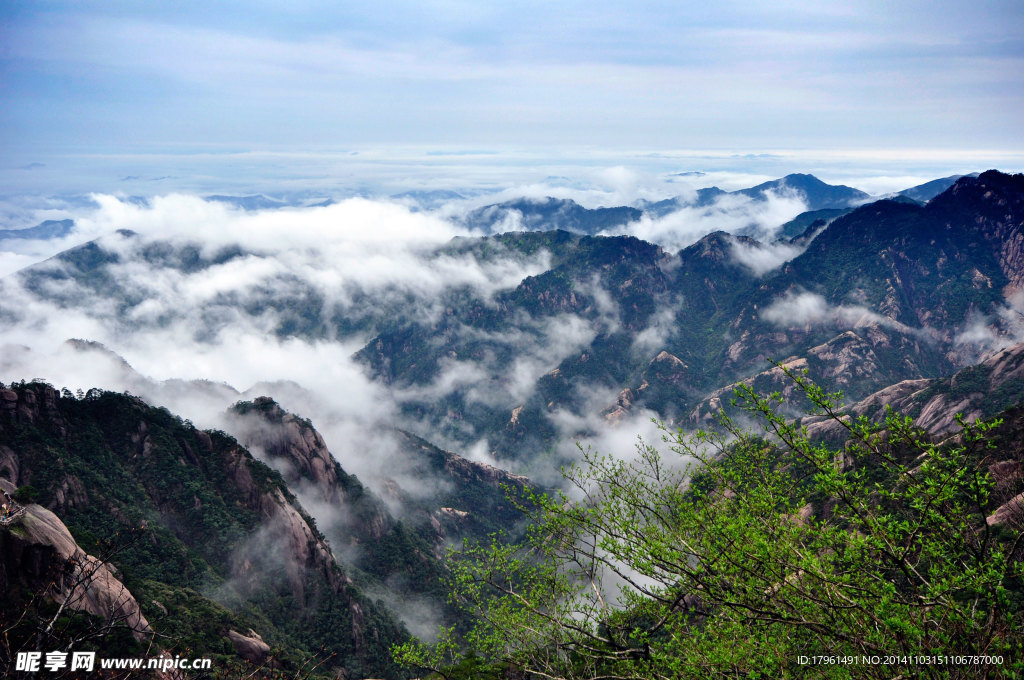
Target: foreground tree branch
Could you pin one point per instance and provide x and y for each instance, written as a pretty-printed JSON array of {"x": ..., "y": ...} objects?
[{"x": 741, "y": 553}]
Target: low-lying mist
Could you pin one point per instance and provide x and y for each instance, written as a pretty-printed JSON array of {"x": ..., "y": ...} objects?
[{"x": 196, "y": 304}]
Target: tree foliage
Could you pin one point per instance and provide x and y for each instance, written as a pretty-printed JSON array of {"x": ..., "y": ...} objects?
[{"x": 743, "y": 552}]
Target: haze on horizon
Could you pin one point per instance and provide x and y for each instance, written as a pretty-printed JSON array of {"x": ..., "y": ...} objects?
[{"x": 157, "y": 97}]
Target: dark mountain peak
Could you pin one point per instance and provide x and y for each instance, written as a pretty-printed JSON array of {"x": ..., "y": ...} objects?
[
  {"x": 992, "y": 194},
  {"x": 990, "y": 180},
  {"x": 870, "y": 227},
  {"x": 801, "y": 179},
  {"x": 929, "y": 190},
  {"x": 714, "y": 246},
  {"x": 604, "y": 249},
  {"x": 714, "y": 256},
  {"x": 80, "y": 345},
  {"x": 266, "y": 406},
  {"x": 818, "y": 194},
  {"x": 529, "y": 201}
]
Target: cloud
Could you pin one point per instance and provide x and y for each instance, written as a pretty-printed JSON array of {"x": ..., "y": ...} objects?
[
  {"x": 811, "y": 309},
  {"x": 733, "y": 213},
  {"x": 654, "y": 337},
  {"x": 201, "y": 292},
  {"x": 985, "y": 334},
  {"x": 761, "y": 258}
]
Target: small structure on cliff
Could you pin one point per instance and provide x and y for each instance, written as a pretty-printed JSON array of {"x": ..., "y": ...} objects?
[{"x": 10, "y": 510}]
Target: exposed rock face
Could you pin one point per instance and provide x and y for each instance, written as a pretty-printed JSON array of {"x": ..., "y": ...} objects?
[
  {"x": 293, "y": 447},
  {"x": 974, "y": 392},
  {"x": 623, "y": 405},
  {"x": 250, "y": 647},
  {"x": 855, "y": 361},
  {"x": 287, "y": 538},
  {"x": 771, "y": 380},
  {"x": 459, "y": 468},
  {"x": 31, "y": 406},
  {"x": 38, "y": 551},
  {"x": 472, "y": 497},
  {"x": 1010, "y": 513},
  {"x": 286, "y": 436},
  {"x": 9, "y": 466}
]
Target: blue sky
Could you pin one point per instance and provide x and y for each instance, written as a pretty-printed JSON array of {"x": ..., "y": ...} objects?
[{"x": 148, "y": 79}]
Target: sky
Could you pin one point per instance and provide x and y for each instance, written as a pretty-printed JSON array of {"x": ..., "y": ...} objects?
[{"x": 185, "y": 94}]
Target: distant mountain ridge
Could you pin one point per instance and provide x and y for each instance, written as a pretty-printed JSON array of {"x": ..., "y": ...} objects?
[
  {"x": 548, "y": 214},
  {"x": 552, "y": 213},
  {"x": 817, "y": 194},
  {"x": 44, "y": 230}
]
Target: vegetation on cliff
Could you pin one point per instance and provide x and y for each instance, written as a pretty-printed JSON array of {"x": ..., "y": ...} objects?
[{"x": 746, "y": 552}]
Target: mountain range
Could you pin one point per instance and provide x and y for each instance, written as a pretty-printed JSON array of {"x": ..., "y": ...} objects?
[{"x": 259, "y": 538}]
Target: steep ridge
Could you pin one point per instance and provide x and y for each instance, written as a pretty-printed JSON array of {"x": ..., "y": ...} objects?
[
  {"x": 393, "y": 546},
  {"x": 225, "y": 544},
  {"x": 474, "y": 492}
]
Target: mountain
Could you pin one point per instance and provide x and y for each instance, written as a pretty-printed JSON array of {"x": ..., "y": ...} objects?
[
  {"x": 361, "y": 526},
  {"x": 809, "y": 223},
  {"x": 923, "y": 193},
  {"x": 703, "y": 198},
  {"x": 261, "y": 543},
  {"x": 610, "y": 324},
  {"x": 254, "y": 202},
  {"x": 45, "y": 230},
  {"x": 428, "y": 199},
  {"x": 222, "y": 543},
  {"x": 884, "y": 293},
  {"x": 548, "y": 214},
  {"x": 39, "y": 553},
  {"x": 983, "y": 390},
  {"x": 263, "y": 202},
  {"x": 816, "y": 194}
]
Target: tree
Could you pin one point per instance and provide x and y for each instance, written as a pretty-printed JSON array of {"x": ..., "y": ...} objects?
[{"x": 753, "y": 555}]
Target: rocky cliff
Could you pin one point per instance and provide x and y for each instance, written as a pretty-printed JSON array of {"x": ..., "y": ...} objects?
[
  {"x": 38, "y": 554},
  {"x": 221, "y": 532}
]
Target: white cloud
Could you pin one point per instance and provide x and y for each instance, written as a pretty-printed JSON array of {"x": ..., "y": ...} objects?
[
  {"x": 652, "y": 339},
  {"x": 809, "y": 309},
  {"x": 730, "y": 213},
  {"x": 761, "y": 258},
  {"x": 212, "y": 323},
  {"x": 984, "y": 335}
]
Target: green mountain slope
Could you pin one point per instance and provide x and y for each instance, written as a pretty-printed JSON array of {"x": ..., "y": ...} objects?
[{"x": 224, "y": 543}]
